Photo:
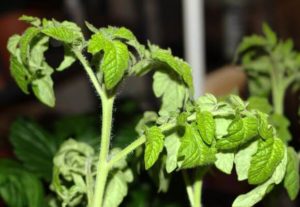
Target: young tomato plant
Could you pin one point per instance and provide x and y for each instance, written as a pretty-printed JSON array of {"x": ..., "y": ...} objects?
[
  {"x": 184, "y": 135},
  {"x": 272, "y": 66}
]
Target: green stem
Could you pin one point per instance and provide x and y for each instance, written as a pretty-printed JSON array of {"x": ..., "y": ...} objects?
[
  {"x": 189, "y": 187},
  {"x": 197, "y": 189},
  {"x": 102, "y": 166},
  {"x": 138, "y": 142},
  {"x": 278, "y": 88}
]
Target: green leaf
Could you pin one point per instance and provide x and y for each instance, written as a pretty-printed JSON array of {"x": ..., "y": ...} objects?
[
  {"x": 206, "y": 126},
  {"x": 117, "y": 188},
  {"x": 237, "y": 102},
  {"x": 242, "y": 160},
  {"x": 172, "y": 100},
  {"x": 43, "y": 90},
  {"x": 172, "y": 144},
  {"x": 37, "y": 63},
  {"x": 259, "y": 103},
  {"x": 257, "y": 194},
  {"x": 154, "y": 146},
  {"x": 177, "y": 64},
  {"x": 270, "y": 35},
  {"x": 149, "y": 117},
  {"x": 12, "y": 44},
  {"x": 69, "y": 59},
  {"x": 224, "y": 161},
  {"x": 25, "y": 41},
  {"x": 291, "y": 179},
  {"x": 269, "y": 154},
  {"x": 115, "y": 60},
  {"x": 20, "y": 74},
  {"x": 34, "y": 147},
  {"x": 193, "y": 151},
  {"x": 18, "y": 187},
  {"x": 281, "y": 124},
  {"x": 222, "y": 125},
  {"x": 252, "y": 41},
  {"x": 208, "y": 102},
  {"x": 240, "y": 131},
  {"x": 35, "y": 21},
  {"x": 67, "y": 32},
  {"x": 265, "y": 130}
]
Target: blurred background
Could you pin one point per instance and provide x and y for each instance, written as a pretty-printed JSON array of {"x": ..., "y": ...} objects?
[{"x": 225, "y": 22}]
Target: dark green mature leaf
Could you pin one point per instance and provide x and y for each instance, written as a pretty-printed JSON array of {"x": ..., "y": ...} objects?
[
  {"x": 43, "y": 90},
  {"x": 240, "y": 131},
  {"x": 115, "y": 60},
  {"x": 269, "y": 154},
  {"x": 291, "y": 179},
  {"x": 206, "y": 126},
  {"x": 20, "y": 74},
  {"x": 18, "y": 187},
  {"x": 172, "y": 100},
  {"x": 193, "y": 151},
  {"x": 34, "y": 147},
  {"x": 154, "y": 146}
]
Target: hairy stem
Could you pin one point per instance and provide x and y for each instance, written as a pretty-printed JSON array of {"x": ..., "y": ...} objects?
[
  {"x": 197, "y": 189},
  {"x": 189, "y": 187},
  {"x": 138, "y": 142},
  {"x": 102, "y": 166}
]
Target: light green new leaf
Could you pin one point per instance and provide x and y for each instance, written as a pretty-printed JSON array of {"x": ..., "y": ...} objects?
[
  {"x": 35, "y": 21},
  {"x": 269, "y": 154},
  {"x": 291, "y": 179},
  {"x": 69, "y": 59},
  {"x": 43, "y": 90},
  {"x": 224, "y": 161},
  {"x": 148, "y": 117},
  {"x": 178, "y": 65},
  {"x": 172, "y": 144},
  {"x": 117, "y": 188},
  {"x": 254, "y": 196},
  {"x": 115, "y": 60},
  {"x": 242, "y": 160},
  {"x": 222, "y": 125},
  {"x": 20, "y": 74},
  {"x": 67, "y": 32},
  {"x": 259, "y": 103},
  {"x": 265, "y": 130},
  {"x": 208, "y": 102},
  {"x": 193, "y": 151},
  {"x": 25, "y": 41},
  {"x": 12, "y": 44},
  {"x": 237, "y": 102},
  {"x": 37, "y": 60},
  {"x": 206, "y": 126},
  {"x": 154, "y": 146},
  {"x": 240, "y": 131},
  {"x": 172, "y": 100}
]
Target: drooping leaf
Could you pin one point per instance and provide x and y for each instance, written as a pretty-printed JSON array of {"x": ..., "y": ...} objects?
[
  {"x": 225, "y": 161},
  {"x": 43, "y": 90},
  {"x": 12, "y": 44},
  {"x": 35, "y": 21},
  {"x": 115, "y": 60},
  {"x": 34, "y": 147},
  {"x": 69, "y": 59},
  {"x": 154, "y": 146},
  {"x": 18, "y": 187},
  {"x": 117, "y": 188},
  {"x": 291, "y": 179},
  {"x": 242, "y": 160},
  {"x": 25, "y": 41},
  {"x": 20, "y": 74},
  {"x": 172, "y": 100},
  {"x": 206, "y": 126},
  {"x": 37, "y": 62},
  {"x": 269, "y": 154},
  {"x": 257, "y": 194},
  {"x": 193, "y": 151},
  {"x": 240, "y": 131},
  {"x": 172, "y": 144}
]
